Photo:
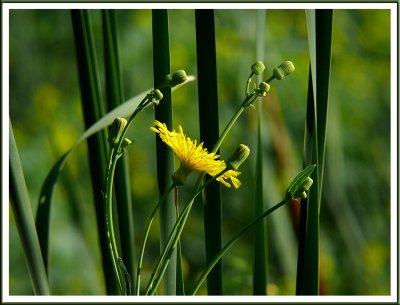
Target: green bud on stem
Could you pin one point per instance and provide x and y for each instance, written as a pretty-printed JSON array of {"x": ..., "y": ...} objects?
[
  {"x": 125, "y": 143},
  {"x": 116, "y": 131},
  {"x": 238, "y": 157},
  {"x": 262, "y": 89},
  {"x": 258, "y": 67},
  {"x": 283, "y": 70},
  {"x": 175, "y": 78},
  {"x": 156, "y": 96}
]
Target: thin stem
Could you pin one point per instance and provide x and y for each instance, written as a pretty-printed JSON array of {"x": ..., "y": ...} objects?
[
  {"x": 175, "y": 235},
  {"x": 109, "y": 218},
  {"x": 246, "y": 91},
  {"x": 114, "y": 156},
  {"x": 147, "y": 234},
  {"x": 232, "y": 241},
  {"x": 247, "y": 101}
]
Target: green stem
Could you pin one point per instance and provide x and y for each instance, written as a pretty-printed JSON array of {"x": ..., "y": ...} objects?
[
  {"x": 247, "y": 101},
  {"x": 175, "y": 235},
  {"x": 147, "y": 234},
  {"x": 114, "y": 156},
  {"x": 109, "y": 219},
  {"x": 232, "y": 241}
]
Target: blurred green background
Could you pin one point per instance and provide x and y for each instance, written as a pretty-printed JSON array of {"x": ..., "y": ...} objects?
[{"x": 355, "y": 213}]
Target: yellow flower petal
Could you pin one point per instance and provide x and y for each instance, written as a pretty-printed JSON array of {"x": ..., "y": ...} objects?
[{"x": 194, "y": 157}]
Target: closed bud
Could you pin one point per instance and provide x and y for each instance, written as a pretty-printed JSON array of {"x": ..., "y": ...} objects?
[
  {"x": 176, "y": 78},
  {"x": 258, "y": 67},
  {"x": 262, "y": 89},
  {"x": 116, "y": 131},
  {"x": 307, "y": 184},
  {"x": 283, "y": 70},
  {"x": 156, "y": 96},
  {"x": 125, "y": 143},
  {"x": 301, "y": 195},
  {"x": 238, "y": 157}
]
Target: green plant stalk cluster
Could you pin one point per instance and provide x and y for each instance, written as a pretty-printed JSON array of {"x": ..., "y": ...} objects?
[
  {"x": 180, "y": 223},
  {"x": 173, "y": 239},
  {"x": 119, "y": 143}
]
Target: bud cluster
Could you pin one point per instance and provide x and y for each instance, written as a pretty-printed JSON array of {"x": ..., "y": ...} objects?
[{"x": 280, "y": 72}]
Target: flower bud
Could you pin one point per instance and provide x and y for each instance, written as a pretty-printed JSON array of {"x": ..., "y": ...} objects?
[
  {"x": 284, "y": 69},
  {"x": 176, "y": 78},
  {"x": 307, "y": 184},
  {"x": 125, "y": 143},
  {"x": 301, "y": 195},
  {"x": 262, "y": 89},
  {"x": 258, "y": 67},
  {"x": 156, "y": 96},
  {"x": 238, "y": 157},
  {"x": 116, "y": 131}
]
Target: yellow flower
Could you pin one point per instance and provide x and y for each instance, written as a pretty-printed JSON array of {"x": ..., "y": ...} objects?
[{"x": 193, "y": 157}]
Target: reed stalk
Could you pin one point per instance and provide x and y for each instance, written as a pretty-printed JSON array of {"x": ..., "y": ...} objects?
[
  {"x": 209, "y": 134},
  {"x": 163, "y": 113}
]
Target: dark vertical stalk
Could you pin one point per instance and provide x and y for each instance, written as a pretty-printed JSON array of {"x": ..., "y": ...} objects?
[
  {"x": 209, "y": 134},
  {"x": 93, "y": 109},
  {"x": 115, "y": 97},
  {"x": 319, "y": 24},
  {"x": 163, "y": 113}
]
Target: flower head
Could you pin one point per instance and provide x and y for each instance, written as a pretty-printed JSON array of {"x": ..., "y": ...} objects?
[
  {"x": 193, "y": 157},
  {"x": 283, "y": 70}
]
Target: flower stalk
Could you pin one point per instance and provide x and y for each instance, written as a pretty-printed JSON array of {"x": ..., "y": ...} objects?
[
  {"x": 119, "y": 144},
  {"x": 175, "y": 234}
]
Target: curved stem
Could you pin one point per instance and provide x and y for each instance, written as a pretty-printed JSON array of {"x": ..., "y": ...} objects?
[
  {"x": 246, "y": 91},
  {"x": 109, "y": 218},
  {"x": 147, "y": 234},
  {"x": 114, "y": 156},
  {"x": 231, "y": 242}
]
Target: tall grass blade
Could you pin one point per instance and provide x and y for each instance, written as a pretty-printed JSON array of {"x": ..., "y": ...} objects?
[
  {"x": 319, "y": 24},
  {"x": 163, "y": 113},
  {"x": 260, "y": 267},
  {"x": 25, "y": 223},
  {"x": 93, "y": 109},
  {"x": 209, "y": 134},
  {"x": 115, "y": 97}
]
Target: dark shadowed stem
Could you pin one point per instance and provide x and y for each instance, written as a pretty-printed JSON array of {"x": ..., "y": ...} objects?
[
  {"x": 93, "y": 109},
  {"x": 209, "y": 134},
  {"x": 163, "y": 113},
  {"x": 319, "y": 24}
]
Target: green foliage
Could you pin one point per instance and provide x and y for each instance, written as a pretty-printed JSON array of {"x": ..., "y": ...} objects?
[{"x": 355, "y": 195}]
